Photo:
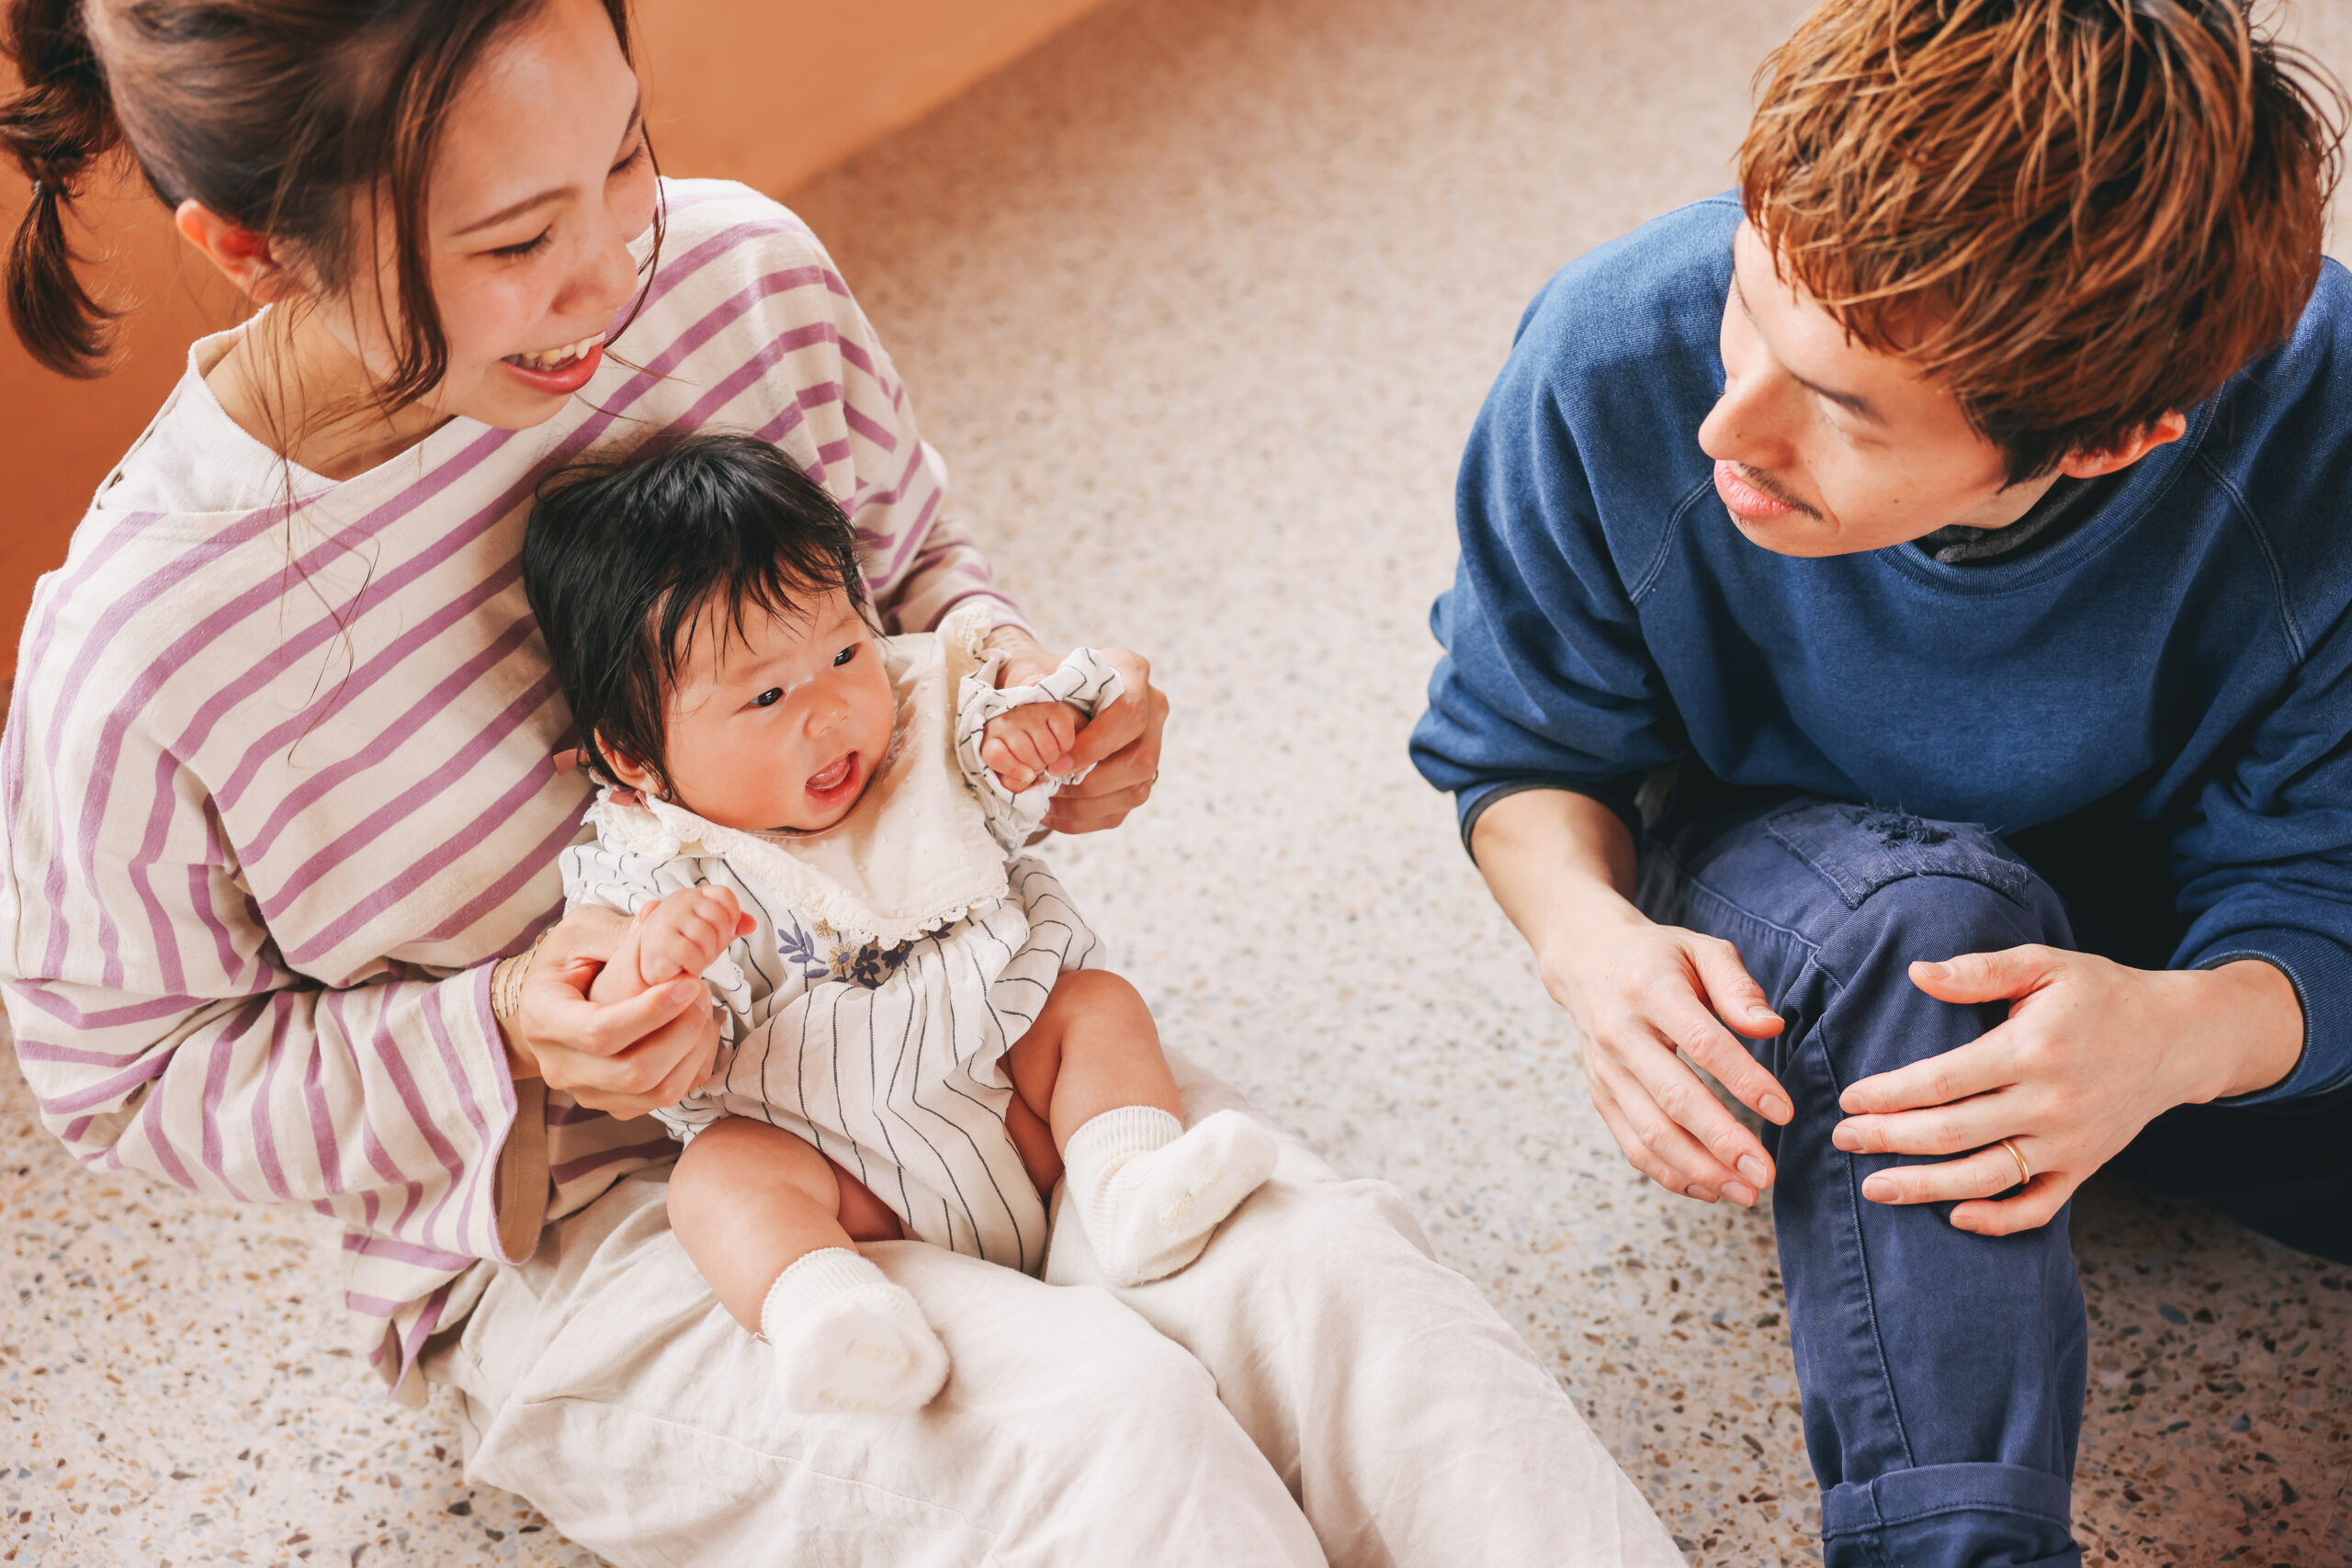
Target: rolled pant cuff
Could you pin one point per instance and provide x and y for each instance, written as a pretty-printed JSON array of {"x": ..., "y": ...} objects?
[{"x": 1951, "y": 1516}]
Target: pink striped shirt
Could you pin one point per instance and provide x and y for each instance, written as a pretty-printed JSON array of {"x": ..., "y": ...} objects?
[{"x": 278, "y": 786}]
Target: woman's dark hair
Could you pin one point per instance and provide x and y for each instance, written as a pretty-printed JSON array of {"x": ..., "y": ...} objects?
[
  {"x": 272, "y": 113},
  {"x": 628, "y": 560}
]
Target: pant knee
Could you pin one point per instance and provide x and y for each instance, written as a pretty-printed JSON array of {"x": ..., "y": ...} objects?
[
  {"x": 1875, "y": 1017},
  {"x": 1938, "y": 917}
]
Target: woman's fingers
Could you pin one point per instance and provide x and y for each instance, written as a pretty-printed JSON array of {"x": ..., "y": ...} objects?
[
  {"x": 1121, "y": 744},
  {"x": 1137, "y": 715},
  {"x": 1079, "y": 811},
  {"x": 690, "y": 1055},
  {"x": 564, "y": 1019},
  {"x": 585, "y": 935},
  {"x": 656, "y": 1069}
]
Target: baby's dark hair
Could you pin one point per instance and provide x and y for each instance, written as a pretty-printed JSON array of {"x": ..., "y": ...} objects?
[{"x": 627, "y": 560}]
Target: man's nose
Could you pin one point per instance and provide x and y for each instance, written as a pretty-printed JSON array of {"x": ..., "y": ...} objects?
[{"x": 1747, "y": 424}]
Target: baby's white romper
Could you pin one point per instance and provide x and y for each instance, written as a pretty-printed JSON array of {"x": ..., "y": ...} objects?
[{"x": 897, "y": 956}]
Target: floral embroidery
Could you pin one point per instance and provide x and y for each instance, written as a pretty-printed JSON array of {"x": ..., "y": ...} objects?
[
  {"x": 868, "y": 966},
  {"x": 796, "y": 947}
]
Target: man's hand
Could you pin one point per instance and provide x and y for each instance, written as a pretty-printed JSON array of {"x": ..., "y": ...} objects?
[
  {"x": 1023, "y": 746},
  {"x": 1638, "y": 992},
  {"x": 1121, "y": 743},
  {"x": 2090, "y": 1052},
  {"x": 626, "y": 1057},
  {"x": 1558, "y": 863}
]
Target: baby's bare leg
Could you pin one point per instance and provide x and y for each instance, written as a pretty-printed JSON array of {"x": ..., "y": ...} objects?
[
  {"x": 1149, "y": 1192},
  {"x": 760, "y": 1212},
  {"x": 1092, "y": 1049},
  {"x": 1033, "y": 1140},
  {"x": 748, "y": 1200}
]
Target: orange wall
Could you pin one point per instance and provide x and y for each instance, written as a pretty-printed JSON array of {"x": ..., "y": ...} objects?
[{"x": 766, "y": 91}]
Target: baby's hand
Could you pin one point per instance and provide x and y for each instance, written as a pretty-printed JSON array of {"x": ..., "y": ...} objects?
[
  {"x": 683, "y": 934},
  {"x": 1031, "y": 741}
]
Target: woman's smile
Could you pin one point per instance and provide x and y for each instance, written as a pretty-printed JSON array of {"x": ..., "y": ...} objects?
[{"x": 563, "y": 369}]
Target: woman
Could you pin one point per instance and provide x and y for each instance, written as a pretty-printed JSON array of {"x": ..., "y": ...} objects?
[{"x": 283, "y": 806}]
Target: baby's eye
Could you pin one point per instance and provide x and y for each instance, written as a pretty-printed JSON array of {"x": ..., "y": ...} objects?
[
  {"x": 768, "y": 698},
  {"x": 844, "y": 656}
]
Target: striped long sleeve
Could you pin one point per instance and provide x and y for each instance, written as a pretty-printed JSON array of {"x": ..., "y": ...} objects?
[
  {"x": 277, "y": 785},
  {"x": 921, "y": 562}
]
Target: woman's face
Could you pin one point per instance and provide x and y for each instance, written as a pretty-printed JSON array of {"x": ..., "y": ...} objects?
[{"x": 540, "y": 182}]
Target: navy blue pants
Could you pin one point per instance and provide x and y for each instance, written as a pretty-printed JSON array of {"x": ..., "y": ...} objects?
[{"x": 1941, "y": 1372}]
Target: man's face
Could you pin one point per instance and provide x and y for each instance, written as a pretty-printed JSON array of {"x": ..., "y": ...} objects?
[{"x": 1822, "y": 447}]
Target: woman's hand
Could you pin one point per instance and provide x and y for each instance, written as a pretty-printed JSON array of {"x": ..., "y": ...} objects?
[
  {"x": 1637, "y": 992},
  {"x": 625, "y": 1057},
  {"x": 1121, "y": 742},
  {"x": 2090, "y": 1052}
]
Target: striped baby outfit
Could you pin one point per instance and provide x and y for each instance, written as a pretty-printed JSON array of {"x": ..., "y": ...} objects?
[
  {"x": 896, "y": 956},
  {"x": 279, "y": 781}
]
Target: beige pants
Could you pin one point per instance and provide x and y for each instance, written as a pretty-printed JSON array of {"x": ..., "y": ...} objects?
[{"x": 1315, "y": 1389}]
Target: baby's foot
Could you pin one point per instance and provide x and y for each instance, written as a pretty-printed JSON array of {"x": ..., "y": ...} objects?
[
  {"x": 1150, "y": 1192},
  {"x": 846, "y": 1339}
]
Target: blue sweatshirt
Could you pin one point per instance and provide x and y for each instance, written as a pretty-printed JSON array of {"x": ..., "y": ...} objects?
[{"x": 2190, "y": 642}]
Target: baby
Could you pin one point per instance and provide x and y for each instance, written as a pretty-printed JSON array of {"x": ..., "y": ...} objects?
[{"x": 825, "y": 824}]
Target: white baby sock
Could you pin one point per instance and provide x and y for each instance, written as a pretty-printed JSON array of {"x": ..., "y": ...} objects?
[
  {"x": 847, "y": 1339},
  {"x": 1149, "y": 1192}
]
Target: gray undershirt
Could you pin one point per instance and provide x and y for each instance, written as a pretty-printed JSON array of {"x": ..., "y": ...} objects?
[{"x": 2066, "y": 506}]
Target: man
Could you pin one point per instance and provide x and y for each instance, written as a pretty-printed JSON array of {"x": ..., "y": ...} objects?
[{"x": 1951, "y": 532}]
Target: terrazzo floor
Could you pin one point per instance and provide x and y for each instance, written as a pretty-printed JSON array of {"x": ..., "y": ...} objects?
[{"x": 1199, "y": 300}]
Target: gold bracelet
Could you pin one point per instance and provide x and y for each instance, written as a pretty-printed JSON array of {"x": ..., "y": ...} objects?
[{"x": 506, "y": 982}]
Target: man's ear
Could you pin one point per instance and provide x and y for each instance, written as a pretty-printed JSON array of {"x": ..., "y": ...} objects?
[
  {"x": 243, "y": 257},
  {"x": 2162, "y": 431}
]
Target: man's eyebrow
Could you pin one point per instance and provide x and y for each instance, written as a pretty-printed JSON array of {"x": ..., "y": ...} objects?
[
  {"x": 509, "y": 213},
  {"x": 1853, "y": 402}
]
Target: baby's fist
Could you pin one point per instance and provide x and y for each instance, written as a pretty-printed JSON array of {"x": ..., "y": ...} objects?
[
  {"x": 686, "y": 932},
  {"x": 1030, "y": 742}
]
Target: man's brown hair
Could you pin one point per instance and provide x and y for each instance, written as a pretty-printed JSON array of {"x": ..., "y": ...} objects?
[{"x": 2077, "y": 214}]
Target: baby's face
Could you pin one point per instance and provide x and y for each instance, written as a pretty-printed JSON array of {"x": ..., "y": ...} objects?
[{"x": 784, "y": 725}]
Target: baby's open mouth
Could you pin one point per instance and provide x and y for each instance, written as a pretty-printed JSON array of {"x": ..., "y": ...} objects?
[{"x": 833, "y": 775}]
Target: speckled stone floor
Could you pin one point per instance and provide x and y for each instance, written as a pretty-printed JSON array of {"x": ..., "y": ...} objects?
[{"x": 1199, "y": 300}]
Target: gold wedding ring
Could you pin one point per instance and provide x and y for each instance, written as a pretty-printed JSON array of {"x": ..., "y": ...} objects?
[{"x": 2025, "y": 1171}]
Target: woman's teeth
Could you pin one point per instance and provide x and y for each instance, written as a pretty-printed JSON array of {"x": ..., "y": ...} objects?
[{"x": 556, "y": 358}]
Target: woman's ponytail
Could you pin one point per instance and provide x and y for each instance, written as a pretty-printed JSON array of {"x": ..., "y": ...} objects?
[{"x": 55, "y": 129}]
